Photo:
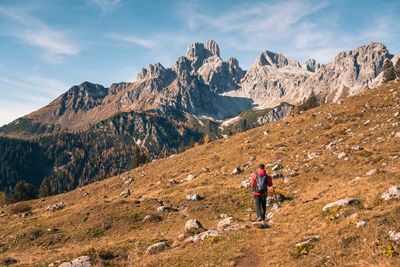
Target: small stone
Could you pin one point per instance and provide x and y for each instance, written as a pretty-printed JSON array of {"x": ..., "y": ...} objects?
[
  {"x": 371, "y": 172},
  {"x": 194, "y": 197},
  {"x": 394, "y": 236},
  {"x": 157, "y": 247},
  {"x": 392, "y": 193},
  {"x": 236, "y": 170},
  {"x": 367, "y": 122},
  {"x": 224, "y": 223},
  {"x": 308, "y": 240},
  {"x": 361, "y": 224},
  {"x": 276, "y": 175},
  {"x": 125, "y": 193},
  {"x": 129, "y": 181},
  {"x": 58, "y": 206},
  {"x": 342, "y": 155},
  {"x": 277, "y": 167},
  {"x": 82, "y": 261},
  {"x": 191, "y": 177},
  {"x": 397, "y": 135},
  {"x": 261, "y": 225}
]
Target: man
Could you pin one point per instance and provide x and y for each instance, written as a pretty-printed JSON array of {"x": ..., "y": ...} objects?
[{"x": 260, "y": 183}]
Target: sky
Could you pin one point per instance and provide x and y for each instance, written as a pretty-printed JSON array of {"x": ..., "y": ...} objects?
[{"x": 48, "y": 46}]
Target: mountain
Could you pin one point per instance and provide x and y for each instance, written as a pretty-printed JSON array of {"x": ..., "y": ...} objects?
[
  {"x": 200, "y": 98},
  {"x": 344, "y": 151}
]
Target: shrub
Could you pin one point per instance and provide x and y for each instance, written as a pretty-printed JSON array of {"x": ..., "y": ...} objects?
[{"x": 19, "y": 208}]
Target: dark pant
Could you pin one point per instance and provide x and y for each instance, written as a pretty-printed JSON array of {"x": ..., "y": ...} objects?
[{"x": 261, "y": 206}]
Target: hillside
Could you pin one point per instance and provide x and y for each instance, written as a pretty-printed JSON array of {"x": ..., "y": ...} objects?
[
  {"x": 166, "y": 110},
  {"x": 335, "y": 151}
]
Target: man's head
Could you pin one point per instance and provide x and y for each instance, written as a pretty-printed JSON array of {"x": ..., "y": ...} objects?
[{"x": 261, "y": 167}]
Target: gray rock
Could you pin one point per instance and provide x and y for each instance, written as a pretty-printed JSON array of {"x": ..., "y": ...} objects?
[
  {"x": 82, "y": 261},
  {"x": 126, "y": 193},
  {"x": 224, "y": 223},
  {"x": 129, "y": 181},
  {"x": 58, "y": 206},
  {"x": 163, "y": 208},
  {"x": 245, "y": 183},
  {"x": 25, "y": 214},
  {"x": 190, "y": 177},
  {"x": 392, "y": 193},
  {"x": 157, "y": 247},
  {"x": 194, "y": 197},
  {"x": 276, "y": 175},
  {"x": 277, "y": 167},
  {"x": 236, "y": 170},
  {"x": 261, "y": 225},
  {"x": 201, "y": 236},
  {"x": 193, "y": 225},
  {"x": 394, "y": 236},
  {"x": 371, "y": 172},
  {"x": 361, "y": 224},
  {"x": 342, "y": 155},
  {"x": 341, "y": 203},
  {"x": 308, "y": 240}
]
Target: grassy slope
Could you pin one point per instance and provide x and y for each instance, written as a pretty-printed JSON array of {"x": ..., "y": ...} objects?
[{"x": 103, "y": 223}]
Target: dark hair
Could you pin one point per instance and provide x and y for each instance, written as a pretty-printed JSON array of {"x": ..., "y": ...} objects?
[{"x": 261, "y": 166}]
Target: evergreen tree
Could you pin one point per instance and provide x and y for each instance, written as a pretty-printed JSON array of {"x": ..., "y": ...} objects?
[
  {"x": 22, "y": 191},
  {"x": 45, "y": 188},
  {"x": 389, "y": 72}
]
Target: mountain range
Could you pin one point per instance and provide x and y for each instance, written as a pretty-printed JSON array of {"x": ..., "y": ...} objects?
[{"x": 166, "y": 110}]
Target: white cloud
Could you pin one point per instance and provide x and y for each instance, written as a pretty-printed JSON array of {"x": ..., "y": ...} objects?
[
  {"x": 106, "y": 5},
  {"x": 55, "y": 43},
  {"x": 300, "y": 29},
  {"x": 146, "y": 43}
]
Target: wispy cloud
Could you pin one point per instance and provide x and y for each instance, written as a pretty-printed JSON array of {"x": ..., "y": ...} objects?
[
  {"x": 131, "y": 39},
  {"x": 55, "y": 43},
  {"x": 107, "y": 5},
  {"x": 289, "y": 27}
]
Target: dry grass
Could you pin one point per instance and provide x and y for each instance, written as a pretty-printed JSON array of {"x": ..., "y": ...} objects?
[{"x": 113, "y": 230}]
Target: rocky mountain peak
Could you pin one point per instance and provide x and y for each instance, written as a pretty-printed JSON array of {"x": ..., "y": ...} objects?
[
  {"x": 213, "y": 47},
  {"x": 311, "y": 65},
  {"x": 152, "y": 71},
  {"x": 272, "y": 59},
  {"x": 197, "y": 52}
]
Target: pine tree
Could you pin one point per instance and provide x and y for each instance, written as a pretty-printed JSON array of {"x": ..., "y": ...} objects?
[
  {"x": 22, "y": 191},
  {"x": 45, "y": 188},
  {"x": 389, "y": 72}
]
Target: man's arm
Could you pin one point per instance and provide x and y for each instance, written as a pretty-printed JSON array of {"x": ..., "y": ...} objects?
[{"x": 253, "y": 181}]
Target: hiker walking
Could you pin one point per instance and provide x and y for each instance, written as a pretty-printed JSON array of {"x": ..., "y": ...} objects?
[{"x": 260, "y": 183}]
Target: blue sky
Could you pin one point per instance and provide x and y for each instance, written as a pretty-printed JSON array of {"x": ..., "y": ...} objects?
[{"x": 48, "y": 46}]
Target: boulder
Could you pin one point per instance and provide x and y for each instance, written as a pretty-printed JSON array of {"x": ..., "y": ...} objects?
[
  {"x": 166, "y": 209},
  {"x": 276, "y": 175},
  {"x": 341, "y": 203},
  {"x": 245, "y": 183},
  {"x": 277, "y": 167},
  {"x": 58, "y": 206},
  {"x": 201, "y": 236},
  {"x": 237, "y": 170},
  {"x": 224, "y": 223},
  {"x": 157, "y": 247},
  {"x": 191, "y": 177},
  {"x": 126, "y": 193},
  {"x": 394, "y": 236},
  {"x": 392, "y": 193},
  {"x": 129, "y": 181},
  {"x": 194, "y": 197},
  {"x": 82, "y": 261},
  {"x": 193, "y": 225},
  {"x": 152, "y": 218}
]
